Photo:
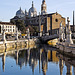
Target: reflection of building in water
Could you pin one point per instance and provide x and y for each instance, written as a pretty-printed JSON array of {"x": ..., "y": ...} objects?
[
  {"x": 52, "y": 56},
  {"x": 61, "y": 66},
  {"x": 44, "y": 62},
  {"x": 40, "y": 52},
  {"x": 69, "y": 69},
  {"x": 74, "y": 70},
  {"x": 45, "y": 56},
  {"x": 33, "y": 61},
  {"x": 28, "y": 57},
  {"x": 17, "y": 56},
  {"x": 31, "y": 57},
  {"x": 3, "y": 61},
  {"x": 68, "y": 62}
]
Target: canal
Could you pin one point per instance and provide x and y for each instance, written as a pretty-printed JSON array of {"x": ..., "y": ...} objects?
[{"x": 38, "y": 60}]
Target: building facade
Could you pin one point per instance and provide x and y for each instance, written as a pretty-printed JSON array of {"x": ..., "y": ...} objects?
[
  {"x": 8, "y": 27},
  {"x": 49, "y": 22}
]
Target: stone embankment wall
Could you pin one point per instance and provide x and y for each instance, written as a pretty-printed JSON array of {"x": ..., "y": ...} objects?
[
  {"x": 69, "y": 50},
  {"x": 13, "y": 45}
]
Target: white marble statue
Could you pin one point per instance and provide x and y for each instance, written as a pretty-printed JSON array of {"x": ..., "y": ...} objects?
[
  {"x": 28, "y": 33},
  {"x": 61, "y": 31},
  {"x": 68, "y": 33}
]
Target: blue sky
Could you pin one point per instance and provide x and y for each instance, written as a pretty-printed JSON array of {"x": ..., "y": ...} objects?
[{"x": 8, "y": 8}]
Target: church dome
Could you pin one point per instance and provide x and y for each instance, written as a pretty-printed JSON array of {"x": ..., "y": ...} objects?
[
  {"x": 32, "y": 11},
  {"x": 20, "y": 13}
]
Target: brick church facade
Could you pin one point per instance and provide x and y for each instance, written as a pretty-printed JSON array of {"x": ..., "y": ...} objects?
[{"x": 49, "y": 22}]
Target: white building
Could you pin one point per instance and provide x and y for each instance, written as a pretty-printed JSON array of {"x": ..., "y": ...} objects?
[{"x": 8, "y": 27}]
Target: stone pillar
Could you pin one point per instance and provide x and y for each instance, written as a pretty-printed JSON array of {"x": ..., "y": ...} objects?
[
  {"x": 61, "y": 32},
  {"x": 16, "y": 33},
  {"x": 68, "y": 33},
  {"x": 40, "y": 33},
  {"x": 3, "y": 36}
]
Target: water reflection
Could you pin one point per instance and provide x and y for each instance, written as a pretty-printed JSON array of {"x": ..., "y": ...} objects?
[
  {"x": 69, "y": 62},
  {"x": 40, "y": 57}
]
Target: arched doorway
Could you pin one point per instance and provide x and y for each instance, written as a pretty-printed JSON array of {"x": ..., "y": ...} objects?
[{"x": 0, "y": 29}]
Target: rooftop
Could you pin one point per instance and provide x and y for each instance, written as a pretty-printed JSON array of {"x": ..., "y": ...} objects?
[{"x": 6, "y": 23}]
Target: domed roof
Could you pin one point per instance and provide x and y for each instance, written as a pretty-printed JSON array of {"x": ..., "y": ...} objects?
[
  {"x": 32, "y": 10},
  {"x": 19, "y": 12}
]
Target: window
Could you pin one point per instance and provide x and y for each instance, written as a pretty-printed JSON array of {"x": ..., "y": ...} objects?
[
  {"x": 13, "y": 30},
  {"x": 56, "y": 20},
  {"x": 10, "y": 26},
  {"x": 8, "y": 30}
]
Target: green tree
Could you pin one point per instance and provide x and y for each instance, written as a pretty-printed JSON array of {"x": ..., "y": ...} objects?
[{"x": 20, "y": 24}]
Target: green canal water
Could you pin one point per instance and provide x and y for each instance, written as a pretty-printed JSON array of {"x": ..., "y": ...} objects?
[{"x": 42, "y": 60}]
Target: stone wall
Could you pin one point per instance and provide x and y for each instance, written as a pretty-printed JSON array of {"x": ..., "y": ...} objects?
[{"x": 13, "y": 45}]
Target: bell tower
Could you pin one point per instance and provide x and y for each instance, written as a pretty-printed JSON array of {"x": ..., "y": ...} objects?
[{"x": 43, "y": 7}]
